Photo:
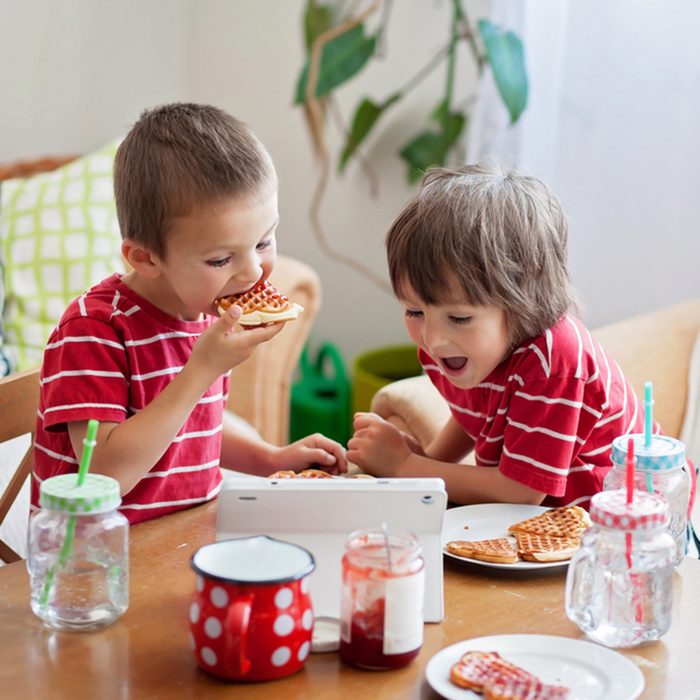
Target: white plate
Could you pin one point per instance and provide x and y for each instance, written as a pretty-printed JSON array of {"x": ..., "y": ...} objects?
[
  {"x": 486, "y": 521},
  {"x": 590, "y": 671}
]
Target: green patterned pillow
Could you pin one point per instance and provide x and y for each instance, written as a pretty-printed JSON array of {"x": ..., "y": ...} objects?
[{"x": 59, "y": 235}]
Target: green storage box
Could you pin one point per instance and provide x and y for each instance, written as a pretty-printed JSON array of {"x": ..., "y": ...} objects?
[{"x": 376, "y": 368}]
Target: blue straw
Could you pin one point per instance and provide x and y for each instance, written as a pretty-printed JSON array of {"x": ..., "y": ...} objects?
[{"x": 648, "y": 413}]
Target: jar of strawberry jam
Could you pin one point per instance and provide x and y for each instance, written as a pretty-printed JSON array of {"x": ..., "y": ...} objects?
[{"x": 381, "y": 615}]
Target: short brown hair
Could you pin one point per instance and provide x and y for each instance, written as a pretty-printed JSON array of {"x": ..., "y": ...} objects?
[
  {"x": 180, "y": 156},
  {"x": 498, "y": 235}
]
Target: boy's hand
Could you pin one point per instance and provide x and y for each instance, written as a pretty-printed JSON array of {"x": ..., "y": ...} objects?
[
  {"x": 312, "y": 451},
  {"x": 224, "y": 346},
  {"x": 378, "y": 447}
]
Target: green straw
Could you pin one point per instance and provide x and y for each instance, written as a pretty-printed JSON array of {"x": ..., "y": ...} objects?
[
  {"x": 88, "y": 444},
  {"x": 648, "y": 413}
]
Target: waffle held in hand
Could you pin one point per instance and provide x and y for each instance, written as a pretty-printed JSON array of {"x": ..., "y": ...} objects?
[{"x": 264, "y": 303}]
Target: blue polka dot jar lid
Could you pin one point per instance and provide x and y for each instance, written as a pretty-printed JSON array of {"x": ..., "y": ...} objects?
[
  {"x": 647, "y": 511},
  {"x": 97, "y": 494},
  {"x": 664, "y": 452}
]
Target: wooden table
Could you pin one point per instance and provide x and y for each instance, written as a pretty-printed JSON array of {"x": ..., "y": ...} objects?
[{"x": 146, "y": 653}]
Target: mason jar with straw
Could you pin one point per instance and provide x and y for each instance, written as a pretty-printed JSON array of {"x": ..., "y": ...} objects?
[
  {"x": 661, "y": 468},
  {"x": 78, "y": 558},
  {"x": 619, "y": 586}
]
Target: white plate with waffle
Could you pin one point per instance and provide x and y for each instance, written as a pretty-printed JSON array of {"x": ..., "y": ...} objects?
[
  {"x": 490, "y": 521},
  {"x": 588, "y": 670}
]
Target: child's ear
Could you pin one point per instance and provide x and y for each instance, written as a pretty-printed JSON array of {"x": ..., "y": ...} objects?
[{"x": 140, "y": 259}]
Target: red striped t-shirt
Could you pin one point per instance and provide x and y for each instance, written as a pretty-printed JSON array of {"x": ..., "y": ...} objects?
[
  {"x": 547, "y": 415},
  {"x": 111, "y": 354}
]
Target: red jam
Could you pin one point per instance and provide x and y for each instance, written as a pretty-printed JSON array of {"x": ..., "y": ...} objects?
[{"x": 366, "y": 648}]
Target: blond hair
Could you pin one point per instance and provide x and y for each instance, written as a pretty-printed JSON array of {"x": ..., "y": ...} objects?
[
  {"x": 496, "y": 235},
  {"x": 180, "y": 156}
]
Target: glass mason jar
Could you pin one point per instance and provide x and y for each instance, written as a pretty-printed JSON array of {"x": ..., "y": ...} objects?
[
  {"x": 660, "y": 468},
  {"x": 619, "y": 587},
  {"x": 381, "y": 613},
  {"x": 78, "y": 559}
]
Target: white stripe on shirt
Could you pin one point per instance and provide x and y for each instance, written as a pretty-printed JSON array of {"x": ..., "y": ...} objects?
[
  {"x": 181, "y": 470},
  {"x": 562, "y": 402},
  {"x": 198, "y": 433},
  {"x": 81, "y": 373},
  {"x": 70, "y": 406},
  {"x": 535, "y": 463},
  {"x": 160, "y": 336},
  {"x": 84, "y": 339}
]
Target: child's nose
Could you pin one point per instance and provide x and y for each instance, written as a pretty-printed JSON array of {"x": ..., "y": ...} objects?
[
  {"x": 433, "y": 336},
  {"x": 250, "y": 270}
]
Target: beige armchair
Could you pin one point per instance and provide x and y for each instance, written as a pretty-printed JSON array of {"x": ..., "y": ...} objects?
[{"x": 652, "y": 347}]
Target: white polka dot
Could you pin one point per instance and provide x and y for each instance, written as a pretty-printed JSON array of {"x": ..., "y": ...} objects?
[
  {"x": 281, "y": 656},
  {"x": 305, "y": 585},
  {"x": 199, "y": 583},
  {"x": 208, "y": 656},
  {"x": 283, "y": 626},
  {"x": 194, "y": 613},
  {"x": 303, "y": 651},
  {"x": 218, "y": 597},
  {"x": 308, "y": 619},
  {"x": 212, "y": 628},
  {"x": 193, "y": 643},
  {"x": 283, "y": 598}
]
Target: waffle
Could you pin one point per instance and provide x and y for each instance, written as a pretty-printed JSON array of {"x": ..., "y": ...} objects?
[
  {"x": 568, "y": 521},
  {"x": 545, "y": 548},
  {"x": 314, "y": 474},
  {"x": 477, "y": 668},
  {"x": 264, "y": 303},
  {"x": 499, "y": 550},
  {"x": 508, "y": 689}
]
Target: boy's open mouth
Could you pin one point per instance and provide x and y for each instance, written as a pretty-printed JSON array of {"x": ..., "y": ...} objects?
[{"x": 453, "y": 364}]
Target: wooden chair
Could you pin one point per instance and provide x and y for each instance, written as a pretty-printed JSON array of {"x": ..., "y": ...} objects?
[{"x": 19, "y": 400}]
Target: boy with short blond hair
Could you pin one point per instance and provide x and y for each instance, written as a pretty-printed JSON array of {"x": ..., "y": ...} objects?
[{"x": 145, "y": 353}]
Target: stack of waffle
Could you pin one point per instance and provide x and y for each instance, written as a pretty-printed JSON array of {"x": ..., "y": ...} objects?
[
  {"x": 551, "y": 536},
  {"x": 262, "y": 304}
]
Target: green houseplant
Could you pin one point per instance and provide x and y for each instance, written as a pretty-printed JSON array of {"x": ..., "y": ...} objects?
[{"x": 340, "y": 45}]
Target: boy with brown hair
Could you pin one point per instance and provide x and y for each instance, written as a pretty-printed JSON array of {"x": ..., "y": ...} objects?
[
  {"x": 478, "y": 261},
  {"x": 146, "y": 353}
]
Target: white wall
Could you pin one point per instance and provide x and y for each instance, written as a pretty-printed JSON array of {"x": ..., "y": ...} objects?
[{"x": 77, "y": 72}]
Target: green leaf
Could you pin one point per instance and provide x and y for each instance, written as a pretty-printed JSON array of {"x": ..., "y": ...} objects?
[
  {"x": 317, "y": 19},
  {"x": 341, "y": 59},
  {"x": 424, "y": 150},
  {"x": 506, "y": 57},
  {"x": 366, "y": 116}
]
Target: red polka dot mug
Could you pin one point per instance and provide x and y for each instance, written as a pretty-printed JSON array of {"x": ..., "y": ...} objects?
[{"x": 251, "y": 617}]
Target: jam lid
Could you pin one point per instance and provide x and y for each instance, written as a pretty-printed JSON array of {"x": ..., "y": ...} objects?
[
  {"x": 663, "y": 453},
  {"x": 648, "y": 511}
]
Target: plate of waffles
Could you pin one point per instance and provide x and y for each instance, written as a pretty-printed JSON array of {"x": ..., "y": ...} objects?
[
  {"x": 532, "y": 666},
  {"x": 513, "y": 536}
]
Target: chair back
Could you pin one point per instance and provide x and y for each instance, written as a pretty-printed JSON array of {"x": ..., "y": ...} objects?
[{"x": 19, "y": 402}]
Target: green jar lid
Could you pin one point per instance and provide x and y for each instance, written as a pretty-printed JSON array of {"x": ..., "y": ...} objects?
[{"x": 97, "y": 494}]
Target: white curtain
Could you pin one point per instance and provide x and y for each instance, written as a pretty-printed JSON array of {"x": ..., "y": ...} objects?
[{"x": 612, "y": 126}]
